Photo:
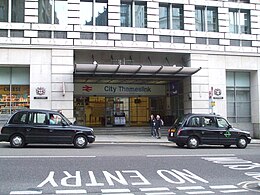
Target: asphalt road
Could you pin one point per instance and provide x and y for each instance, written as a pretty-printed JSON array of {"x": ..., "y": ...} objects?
[{"x": 125, "y": 169}]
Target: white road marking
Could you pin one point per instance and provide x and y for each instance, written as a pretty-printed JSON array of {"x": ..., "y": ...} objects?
[
  {"x": 201, "y": 192},
  {"x": 187, "y": 155},
  {"x": 160, "y": 193},
  {"x": 154, "y": 189},
  {"x": 223, "y": 187},
  {"x": 233, "y": 191},
  {"x": 191, "y": 188},
  {"x": 47, "y": 157},
  {"x": 25, "y": 192},
  {"x": 114, "y": 190},
  {"x": 71, "y": 191}
]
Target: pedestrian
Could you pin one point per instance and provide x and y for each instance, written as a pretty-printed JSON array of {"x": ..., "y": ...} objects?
[
  {"x": 158, "y": 124},
  {"x": 152, "y": 124}
]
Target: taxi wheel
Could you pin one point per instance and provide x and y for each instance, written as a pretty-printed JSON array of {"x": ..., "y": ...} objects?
[
  {"x": 80, "y": 141},
  {"x": 241, "y": 142},
  {"x": 193, "y": 142},
  {"x": 17, "y": 141}
]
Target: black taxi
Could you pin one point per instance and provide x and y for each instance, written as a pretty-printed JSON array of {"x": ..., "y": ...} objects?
[
  {"x": 44, "y": 127},
  {"x": 198, "y": 129}
]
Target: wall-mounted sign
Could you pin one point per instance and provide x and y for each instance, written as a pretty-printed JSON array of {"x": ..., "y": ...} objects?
[
  {"x": 40, "y": 91},
  {"x": 215, "y": 93},
  {"x": 118, "y": 89}
]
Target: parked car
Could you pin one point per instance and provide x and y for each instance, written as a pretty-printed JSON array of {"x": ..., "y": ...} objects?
[
  {"x": 44, "y": 127},
  {"x": 198, "y": 129}
]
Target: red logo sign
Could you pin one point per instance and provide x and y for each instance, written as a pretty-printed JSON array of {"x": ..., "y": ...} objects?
[{"x": 87, "y": 88}]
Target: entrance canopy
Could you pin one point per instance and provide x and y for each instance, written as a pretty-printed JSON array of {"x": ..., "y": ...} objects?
[{"x": 134, "y": 70}]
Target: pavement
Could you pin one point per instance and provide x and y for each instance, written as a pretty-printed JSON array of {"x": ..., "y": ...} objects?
[{"x": 139, "y": 139}]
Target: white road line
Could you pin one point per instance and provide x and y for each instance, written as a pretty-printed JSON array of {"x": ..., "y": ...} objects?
[
  {"x": 153, "y": 189},
  {"x": 201, "y": 192},
  {"x": 121, "y": 194},
  {"x": 233, "y": 191},
  {"x": 114, "y": 190},
  {"x": 47, "y": 157},
  {"x": 191, "y": 188},
  {"x": 187, "y": 155},
  {"x": 71, "y": 191},
  {"x": 160, "y": 193},
  {"x": 25, "y": 192},
  {"x": 223, "y": 187}
]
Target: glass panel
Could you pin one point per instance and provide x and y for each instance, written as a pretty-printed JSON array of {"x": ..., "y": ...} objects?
[
  {"x": 234, "y": 42},
  {"x": 5, "y": 78},
  {"x": 86, "y": 13},
  {"x": 213, "y": 41},
  {"x": 212, "y": 20},
  {"x": 245, "y": 22},
  {"x": 141, "y": 38},
  {"x": 233, "y": 20},
  {"x": 3, "y": 33},
  {"x": 86, "y": 35},
  {"x": 246, "y": 43},
  {"x": 95, "y": 111},
  {"x": 16, "y": 33},
  {"x": 230, "y": 94},
  {"x": 242, "y": 79},
  {"x": 242, "y": 95},
  {"x": 166, "y": 39},
  {"x": 201, "y": 40},
  {"x": 21, "y": 76},
  {"x": 178, "y": 39},
  {"x": 126, "y": 14},
  {"x": 3, "y": 10},
  {"x": 177, "y": 17},
  {"x": 100, "y": 13},
  {"x": 139, "y": 111},
  {"x": 231, "y": 112},
  {"x": 101, "y": 36},
  {"x": 140, "y": 15},
  {"x": 164, "y": 16},
  {"x": 44, "y": 34},
  {"x": 230, "y": 79},
  {"x": 17, "y": 11},
  {"x": 60, "y": 35},
  {"x": 45, "y": 11},
  {"x": 200, "y": 18},
  {"x": 61, "y": 12},
  {"x": 127, "y": 37},
  {"x": 243, "y": 109}
]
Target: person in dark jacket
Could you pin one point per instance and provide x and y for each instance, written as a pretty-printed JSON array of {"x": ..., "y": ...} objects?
[
  {"x": 158, "y": 125},
  {"x": 152, "y": 124}
]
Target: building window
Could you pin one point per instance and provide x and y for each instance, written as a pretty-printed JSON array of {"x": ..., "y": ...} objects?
[
  {"x": 238, "y": 97},
  {"x": 239, "y": 21},
  {"x": 16, "y": 8},
  {"x": 44, "y": 34},
  {"x": 16, "y": 33},
  {"x": 86, "y": 35},
  {"x": 14, "y": 89},
  {"x": 93, "y": 12},
  {"x": 53, "y": 12},
  {"x": 206, "y": 19},
  {"x": 171, "y": 16},
  {"x": 127, "y": 37},
  {"x": 239, "y": 1},
  {"x": 133, "y": 14}
]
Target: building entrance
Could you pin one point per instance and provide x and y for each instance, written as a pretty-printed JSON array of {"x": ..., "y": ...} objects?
[{"x": 113, "y": 111}]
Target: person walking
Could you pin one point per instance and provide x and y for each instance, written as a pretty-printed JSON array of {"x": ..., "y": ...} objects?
[
  {"x": 158, "y": 125},
  {"x": 152, "y": 124}
]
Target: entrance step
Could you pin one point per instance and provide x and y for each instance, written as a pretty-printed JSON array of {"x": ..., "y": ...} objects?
[{"x": 145, "y": 131}]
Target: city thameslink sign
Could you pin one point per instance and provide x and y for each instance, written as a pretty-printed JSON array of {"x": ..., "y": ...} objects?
[{"x": 118, "y": 89}]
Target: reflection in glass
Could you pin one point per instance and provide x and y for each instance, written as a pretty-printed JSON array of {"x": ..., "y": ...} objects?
[
  {"x": 86, "y": 14},
  {"x": 164, "y": 22},
  {"x": 44, "y": 11},
  {"x": 200, "y": 19},
  {"x": 100, "y": 13},
  {"x": 126, "y": 14},
  {"x": 140, "y": 15},
  {"x": 17, "y": 11},
  {"x": 3, "y": 10},
  {"x": 177, "y": 18},
  {"x": 61, "y": 12},
  {"x": 212, "y": 20}
]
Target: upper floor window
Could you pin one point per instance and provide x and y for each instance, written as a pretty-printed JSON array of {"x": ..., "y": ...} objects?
[
  {"x": 239, "y": 1},
  {"x": 206, "y": 19},
  {"x": 53, "y": 12},
  {"x": 93, "y": 12},
  {"x": 15, "y": 7},
  {"x": 239, "y": 21},
  {"x": 171, "y": 17},
  {"x": 133, "y": 14}
]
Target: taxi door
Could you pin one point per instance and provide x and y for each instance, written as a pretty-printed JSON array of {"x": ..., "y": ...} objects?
[
  {"x": 226, "y": 135},
  {"x": 209, "y": 130}
]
